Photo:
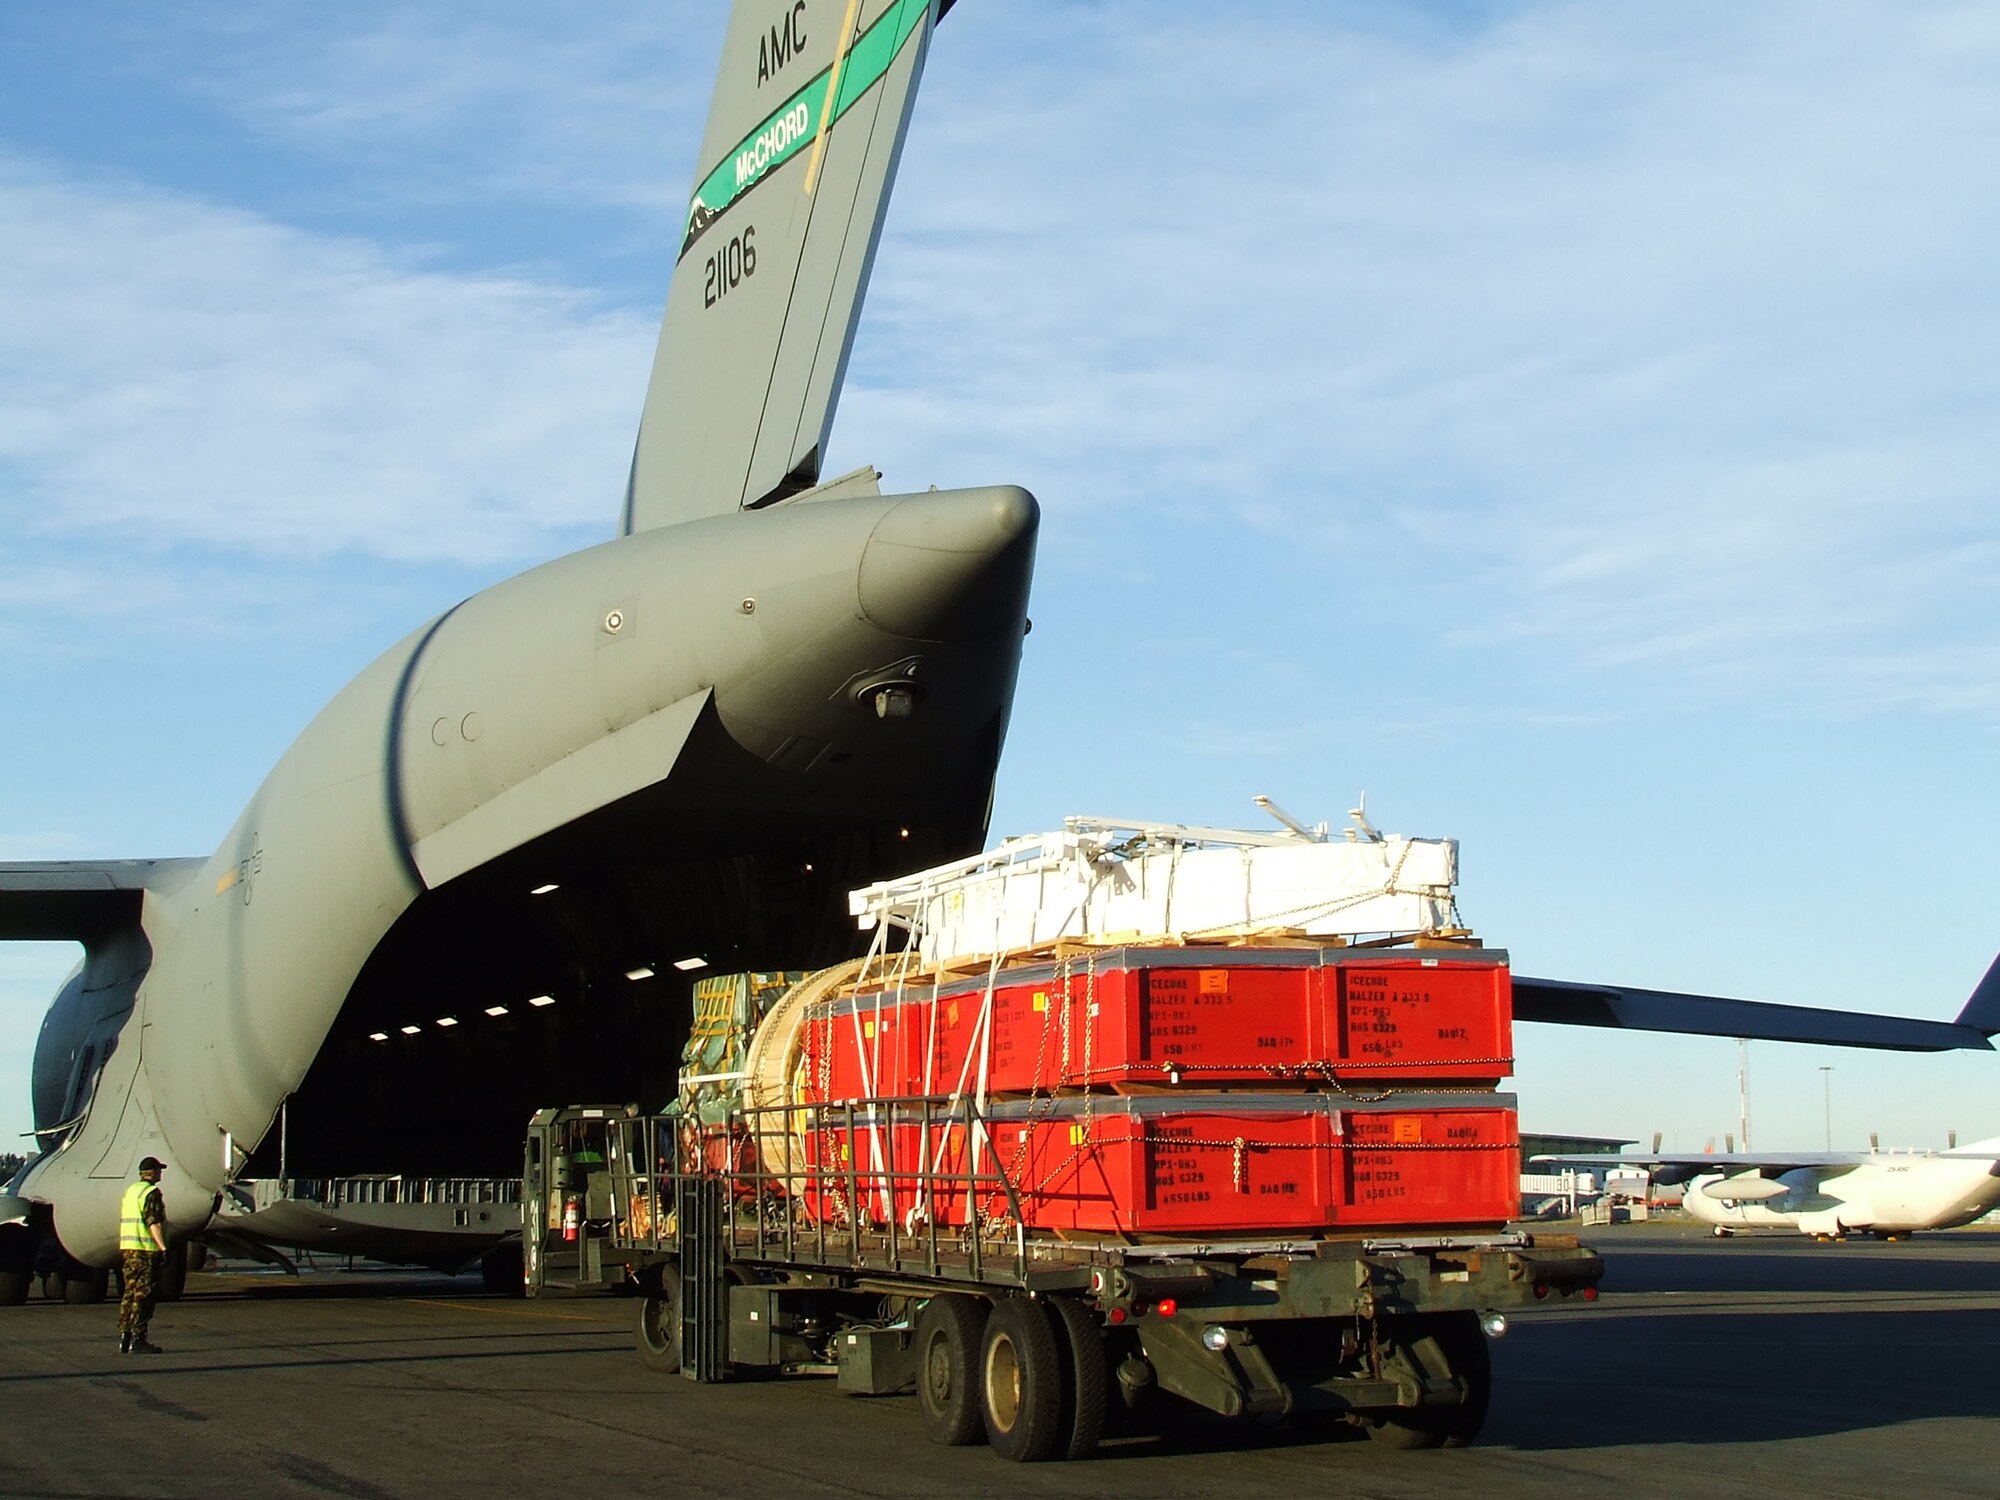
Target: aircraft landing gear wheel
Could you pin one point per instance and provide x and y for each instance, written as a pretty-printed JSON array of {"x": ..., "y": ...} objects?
[
  {"x": 85, "y": 1285},
  {"x": 1444, "y": 1344},
  {"x": 1719, "y": 1232},
  {"x": 657, "y": 1334},
  {"x": 501, "y": 1271},
  {"x": 17, "y": 1265},
  {"x": 948, "y": 1336},
  {"x": 173, "y": 1277},
  {"x": 1021, "y": 1382},
  {"x": 1086, "y": 1378}
]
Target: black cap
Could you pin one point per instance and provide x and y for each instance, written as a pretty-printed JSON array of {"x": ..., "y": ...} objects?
[{"x": 152, "y": 1164}]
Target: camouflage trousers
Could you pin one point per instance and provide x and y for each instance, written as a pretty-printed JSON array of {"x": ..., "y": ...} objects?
[{"x": 141, "y": 1270}]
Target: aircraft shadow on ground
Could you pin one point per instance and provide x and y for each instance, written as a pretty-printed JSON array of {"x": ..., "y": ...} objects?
[
  {"x": 1707, "y": 1377},
  {"x": 1799, "y": 1265},
  {"x": 1694, "y": 1378}
]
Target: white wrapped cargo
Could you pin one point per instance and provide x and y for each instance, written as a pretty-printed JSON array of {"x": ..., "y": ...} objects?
[{"x": 1100, "y": 881}]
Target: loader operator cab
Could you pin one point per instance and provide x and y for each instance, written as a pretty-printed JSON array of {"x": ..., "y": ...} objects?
[{"x": 568, "y": 1206}]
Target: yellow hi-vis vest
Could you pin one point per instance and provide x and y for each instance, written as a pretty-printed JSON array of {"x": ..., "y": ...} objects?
[{"x": 132, "y": 1231}]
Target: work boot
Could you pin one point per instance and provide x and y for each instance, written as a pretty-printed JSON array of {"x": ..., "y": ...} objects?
[
  {"x": 124, "y": 1343},
  {"x": 143, "y": 1345}
]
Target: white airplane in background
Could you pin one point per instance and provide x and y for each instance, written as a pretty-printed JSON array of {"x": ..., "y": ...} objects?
[{"x": 1828, "y": 1194}]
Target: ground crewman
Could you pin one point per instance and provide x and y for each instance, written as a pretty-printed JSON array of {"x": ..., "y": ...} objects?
[{"x": 142, "y": 1237}]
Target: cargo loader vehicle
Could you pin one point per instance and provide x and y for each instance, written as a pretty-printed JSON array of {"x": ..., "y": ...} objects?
[{"x": 1040, "y": 1179}]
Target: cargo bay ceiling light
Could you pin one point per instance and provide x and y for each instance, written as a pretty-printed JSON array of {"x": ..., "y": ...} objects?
[
  {"x": 447, "y": 1020},
  {"x": 538, "y": 1001},
  {"x": 496, "y": 1010},
  {"x": 642, "y": 972},
  {"x": 411, "y": 1030},
  {"x": 378, "y": 1036},
  {"x": 687, "y": 965},
  {"x": 543, "y": 890}
]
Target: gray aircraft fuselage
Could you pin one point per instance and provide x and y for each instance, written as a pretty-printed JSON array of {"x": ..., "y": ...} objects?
[{"x": 701, "y": 735}]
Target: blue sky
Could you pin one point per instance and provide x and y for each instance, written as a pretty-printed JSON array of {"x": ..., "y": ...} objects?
[{"x": 1571, "y": 423}]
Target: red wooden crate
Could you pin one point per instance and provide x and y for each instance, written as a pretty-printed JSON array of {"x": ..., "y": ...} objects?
[
  {"x": 1199, "y": 1170},
  {"x": 1459, "y": 1165},
  {"x": 861, "y": 1049},
  {"x": 1165, "y": 1016},
  {"x": 1442, "y": 1018},
  {"x": 1193, "y": 1165}
]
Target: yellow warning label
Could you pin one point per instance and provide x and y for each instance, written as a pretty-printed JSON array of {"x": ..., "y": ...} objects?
[
  {"x": 1041, "y": 999},
  {"x": 1078, "y": 1134},
  {"x": 1214, "y": 982},
  {"x": 868, "y": 1028}
]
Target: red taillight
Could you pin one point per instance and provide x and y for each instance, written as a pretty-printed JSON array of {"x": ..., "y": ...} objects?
[
  {"x": 1541, "y": 1289},
  {"x": 1590, "y": 1294},
  {"x": 1116, "y": 1315},
  {"x": 1167, "y": 1307}
]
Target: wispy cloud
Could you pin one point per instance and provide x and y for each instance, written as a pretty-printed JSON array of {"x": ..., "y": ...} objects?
[
  {"x": 173, "y": 371},
  {"x": 1666, "y": 337}
]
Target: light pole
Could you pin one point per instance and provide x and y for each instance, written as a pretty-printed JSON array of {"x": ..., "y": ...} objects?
[
  {"x": 1826, "y": 1081},
  {"x": 1743, "y": 1088}
]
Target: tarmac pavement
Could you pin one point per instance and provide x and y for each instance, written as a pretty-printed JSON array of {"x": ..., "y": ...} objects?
[{"x": 1744, "y": 1367}]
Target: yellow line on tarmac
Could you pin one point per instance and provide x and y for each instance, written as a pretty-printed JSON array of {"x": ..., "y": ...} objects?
[{"x": 507, "y": 1312}]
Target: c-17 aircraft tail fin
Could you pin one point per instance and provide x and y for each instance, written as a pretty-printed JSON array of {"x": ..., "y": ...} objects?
[{"x": 803, "y": 136}]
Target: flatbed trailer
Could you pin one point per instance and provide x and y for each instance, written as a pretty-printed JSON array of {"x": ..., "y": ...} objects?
[{"x": 764, "y": 1262}]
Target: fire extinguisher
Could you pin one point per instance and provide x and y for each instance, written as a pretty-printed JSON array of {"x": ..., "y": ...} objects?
[{"x": 569, "y": 1218}]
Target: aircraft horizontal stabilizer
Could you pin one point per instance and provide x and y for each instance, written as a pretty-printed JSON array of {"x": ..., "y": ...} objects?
[
  {"x": 1567, "y": 1003},
  {"x": 78, "y": 900}
]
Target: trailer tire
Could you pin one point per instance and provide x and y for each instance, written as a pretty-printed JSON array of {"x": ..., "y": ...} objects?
[
  {"x": 1021, "y": 1381},
  {"x": 1461, "y": 1344},
  {"x": 656, "y": 1333},
  {"x": 1086, "y": 1378},
  {"x": 948, "y": 1341}
]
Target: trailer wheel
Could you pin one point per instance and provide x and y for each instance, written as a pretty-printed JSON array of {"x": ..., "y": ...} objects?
[
  {"x": 1445, "y": 1344},
  {"x": 1021, "y": 1381},
  {"x": 1086, "y": 1378},
  {"x": 948, "y": 1337},
  {"x": 657, "y": 1334}
]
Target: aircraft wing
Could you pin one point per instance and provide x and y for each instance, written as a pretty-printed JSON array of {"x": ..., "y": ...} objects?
[
  {"x": 1671, "y": 1168},
  {"x": 76, "y": 900},
  {"x": 804, "y": 132},
  {"x": 1568, "y": 1003}
]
